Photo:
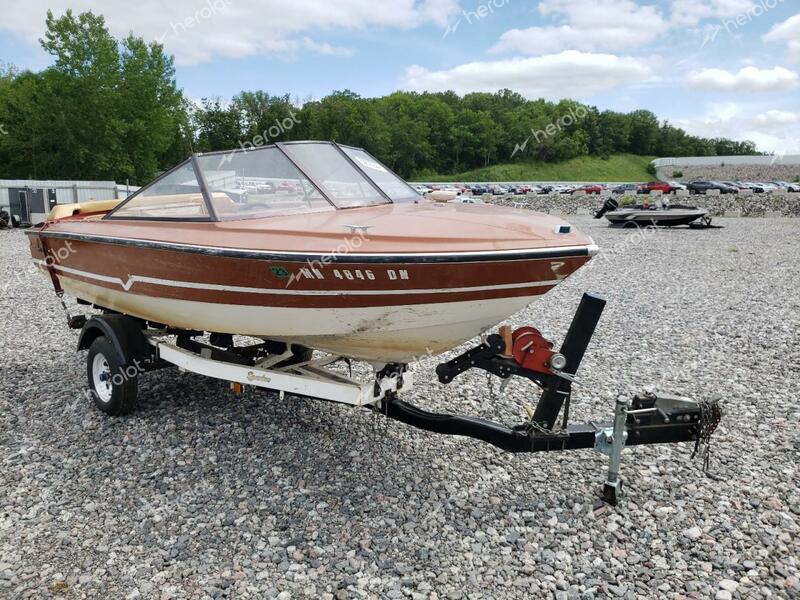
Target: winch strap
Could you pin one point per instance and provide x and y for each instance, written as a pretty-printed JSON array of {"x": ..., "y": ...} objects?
[{"x": 48, "y": 262}]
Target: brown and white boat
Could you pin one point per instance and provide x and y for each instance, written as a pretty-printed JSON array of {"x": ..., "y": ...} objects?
[
  {"x": 312, "y": 243},
  {"x": 317, "y": 246}
]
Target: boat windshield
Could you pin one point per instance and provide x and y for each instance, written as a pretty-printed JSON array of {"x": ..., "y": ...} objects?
[
  {"x": 258, "y": 183},
  {"x": 342, "y": 182},
  {"x": 283, "y": 179},
  {"x": 394, "y": 187},
  {"x": 176, "y": 195}
]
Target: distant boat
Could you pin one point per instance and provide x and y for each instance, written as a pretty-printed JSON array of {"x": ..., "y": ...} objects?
[{"x": 662, "y": 214}]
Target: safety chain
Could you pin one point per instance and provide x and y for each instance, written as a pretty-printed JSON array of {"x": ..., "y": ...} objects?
[
  {"x": 710, "y": 417},
  {"x": 60, "y": 296}
]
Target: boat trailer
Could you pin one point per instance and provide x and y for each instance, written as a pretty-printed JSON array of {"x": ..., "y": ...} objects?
[
  {"x": 647, "y": 419},
  {"x": 122, "y": 347}
]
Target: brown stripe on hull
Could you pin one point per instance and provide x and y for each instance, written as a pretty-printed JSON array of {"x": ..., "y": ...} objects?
[
  {"x": 124, "y": 262},
  {"x": 302, "y": 301}
]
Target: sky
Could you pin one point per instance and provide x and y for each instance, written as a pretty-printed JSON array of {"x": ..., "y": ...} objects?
[{"x": 727, "y": 68}]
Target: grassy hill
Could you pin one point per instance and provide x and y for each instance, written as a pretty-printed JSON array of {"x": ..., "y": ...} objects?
[{"x": 619, "y": 167}]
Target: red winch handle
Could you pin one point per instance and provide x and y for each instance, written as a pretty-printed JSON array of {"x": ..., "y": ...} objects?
[{"x": 532, "y": 350}]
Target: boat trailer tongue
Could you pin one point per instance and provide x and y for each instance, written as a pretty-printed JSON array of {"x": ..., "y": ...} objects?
[{"x": 646, "y": 419}]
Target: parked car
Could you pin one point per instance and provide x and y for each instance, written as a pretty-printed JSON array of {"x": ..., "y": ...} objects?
[
  {"x": 701, "y": 187},
  {"x": 652, "y": 186},
  {"x": 265, "y": 188},
  {"x": 749, "y": 185},
  {"x": 794, "y": 187},
  {"x": 479, "y": 189},
  {"x": 677, "y": 185},
  {"x": 452, "y": 189},
  {"x": 422, "y": 189},
  {"x": 732, "y": 184},
  {"x": 591, "y": 188},
  {"x": 625, "y": 187},
  {"x": 287, "y": 187}
]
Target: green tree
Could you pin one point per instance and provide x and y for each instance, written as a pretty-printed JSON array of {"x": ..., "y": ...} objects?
[
  {"x": 103, "y": 110},
  {"x": 110, "y": 109},
  {"x": 218, "y": 126},
  {"x": 151, "y": 108}
]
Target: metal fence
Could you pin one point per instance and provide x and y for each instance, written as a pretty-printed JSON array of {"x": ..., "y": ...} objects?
[
  {"x": 716, "y": 161},
  {"x": 32, "y": 199}
]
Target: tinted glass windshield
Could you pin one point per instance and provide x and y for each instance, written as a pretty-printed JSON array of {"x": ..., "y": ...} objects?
[
  {"x": 339, "y": 179},
  {"x": 176, "y": 195},
  {"x": 290, "y": 178},
  {"x": 391, "y": 184},
  {"x": 258, "y": 183}
]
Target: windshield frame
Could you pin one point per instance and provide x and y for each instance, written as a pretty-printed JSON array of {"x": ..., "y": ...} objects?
[
  {"x": 275, "y": 146},
  {"x": 280, "y": 146},
  {"x": 211, "y": 217},
  {"x": 348, "y": 160},
  {"x": 414, "y": 193}
]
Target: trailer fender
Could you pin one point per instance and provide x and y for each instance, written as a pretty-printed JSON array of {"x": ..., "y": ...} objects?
[{"x": 123, "y": 332}]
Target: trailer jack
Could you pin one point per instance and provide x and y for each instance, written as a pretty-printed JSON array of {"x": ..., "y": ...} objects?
[{"x": 647, "y": 419}]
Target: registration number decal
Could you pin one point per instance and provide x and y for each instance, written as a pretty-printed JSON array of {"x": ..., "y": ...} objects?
[{"x": 352, "y": 274}]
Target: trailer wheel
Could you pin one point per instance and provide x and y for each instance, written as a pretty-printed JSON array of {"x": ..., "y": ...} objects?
[{"x": 113, "y": 384}]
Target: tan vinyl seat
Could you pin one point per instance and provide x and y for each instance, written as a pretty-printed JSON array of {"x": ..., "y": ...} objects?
[
  {"x": 61, "y": 211},
  {"x": 222, "y": 203}
]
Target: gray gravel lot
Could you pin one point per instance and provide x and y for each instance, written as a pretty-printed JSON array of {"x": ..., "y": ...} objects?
[{"x": 201, "y": 494}]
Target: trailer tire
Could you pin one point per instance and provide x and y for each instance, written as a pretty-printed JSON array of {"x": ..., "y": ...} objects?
[{"x": 112, "y": 384}]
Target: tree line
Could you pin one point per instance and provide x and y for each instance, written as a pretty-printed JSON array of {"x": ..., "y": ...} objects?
[{"x": 111, "y": 109}]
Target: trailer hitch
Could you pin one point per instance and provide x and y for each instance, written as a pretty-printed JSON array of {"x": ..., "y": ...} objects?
[{"x": 647, "y": 419}]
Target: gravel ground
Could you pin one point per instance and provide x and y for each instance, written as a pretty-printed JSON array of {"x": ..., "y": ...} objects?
[{"x": 201, "y": 494}]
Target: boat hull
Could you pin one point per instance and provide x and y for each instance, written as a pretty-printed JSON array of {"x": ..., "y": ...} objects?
[
  {"x": 379, "y": 308},
  {"x": 658, "y": 218},
  {"x": 399, "y": 333}
]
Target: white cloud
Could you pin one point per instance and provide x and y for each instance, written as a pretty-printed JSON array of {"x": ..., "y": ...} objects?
[
  {"x": 789, "y": 33},
  {"x": 568, "y": 74},
  {"x": 691, "y": 12},
  {"x": 201, "y": 30},
  {"x": 776, "y": 118},
  {"x": 737, "y": 121},
  {"x": 589, "y": 25},
  {"x": 748, "y": 79},
  {"x": 325, "y": 48}
]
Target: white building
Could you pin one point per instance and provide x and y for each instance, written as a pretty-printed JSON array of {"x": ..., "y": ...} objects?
[{"x": 31, "y": 200}]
